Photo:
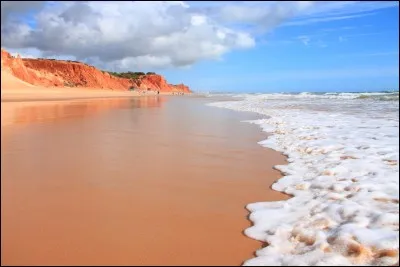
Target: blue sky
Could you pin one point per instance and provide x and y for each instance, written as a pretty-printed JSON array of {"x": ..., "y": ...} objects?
[
  {"x": 265, "y": 46},
  {"x": 355, "y": 54}
]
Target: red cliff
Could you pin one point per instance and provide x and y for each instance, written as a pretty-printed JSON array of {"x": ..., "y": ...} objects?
[
  {"x": 61, "y": 73},
  {"x": 158, "y": 83}
]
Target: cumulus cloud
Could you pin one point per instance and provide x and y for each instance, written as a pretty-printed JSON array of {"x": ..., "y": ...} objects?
[
  {"x": 121, "y": 35},
  {"x": 126, "y": 34}
]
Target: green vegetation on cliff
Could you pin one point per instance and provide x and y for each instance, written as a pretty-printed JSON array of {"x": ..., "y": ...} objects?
[{"x": 128, "y": 75}]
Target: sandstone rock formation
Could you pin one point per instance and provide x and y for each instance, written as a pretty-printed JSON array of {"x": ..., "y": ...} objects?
[{"x": 61, "y": 73}]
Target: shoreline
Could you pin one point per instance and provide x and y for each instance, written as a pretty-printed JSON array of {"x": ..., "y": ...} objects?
[
  {"x": 192, "y": 206},
  {"x": 311, "y": 225},
  {"x": 53, "y": 95}
]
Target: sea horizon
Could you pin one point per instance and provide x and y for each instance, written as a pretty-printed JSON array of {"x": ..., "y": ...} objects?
[{"x": 299, "y": 92}]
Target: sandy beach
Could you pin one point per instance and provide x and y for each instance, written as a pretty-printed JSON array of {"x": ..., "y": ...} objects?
[
  {"x": 151, "y": 180},
  {"x": 178, "y": 133}
]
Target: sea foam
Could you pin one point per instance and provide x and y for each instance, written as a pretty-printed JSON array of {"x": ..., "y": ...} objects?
[{"x": 343, "y": 174}]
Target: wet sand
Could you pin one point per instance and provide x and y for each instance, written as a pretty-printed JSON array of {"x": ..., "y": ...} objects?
[
  {"x": 46, "y": 94},
  {"x": 141, "y": 181}
]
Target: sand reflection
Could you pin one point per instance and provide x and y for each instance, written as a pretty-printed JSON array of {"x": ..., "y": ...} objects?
[
  {"x": 145, "y": 186},
  {"x": 50, "y": 111}
]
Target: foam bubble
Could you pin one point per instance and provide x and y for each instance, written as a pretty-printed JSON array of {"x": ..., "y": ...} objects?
[{"x": 343, "y": 173}]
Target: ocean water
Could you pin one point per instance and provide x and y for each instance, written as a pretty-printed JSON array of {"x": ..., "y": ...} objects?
[{"x": 343, "y": 174}]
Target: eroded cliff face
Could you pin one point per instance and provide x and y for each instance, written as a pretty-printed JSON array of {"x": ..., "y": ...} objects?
[
  {"x": 158, "y": 83},
  {"x": 76, "y": 74},
  {"x": 60, "y": 73},
  {"x": 17, "y": 68}
]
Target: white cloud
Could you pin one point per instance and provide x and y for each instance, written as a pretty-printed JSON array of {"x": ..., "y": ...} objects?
[
  {"x": 120, "y": 34},
  {"x": 126, "y": 34}
]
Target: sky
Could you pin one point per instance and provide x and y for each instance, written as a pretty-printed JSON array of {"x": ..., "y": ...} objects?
[{"x": 213, "y": 46}]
